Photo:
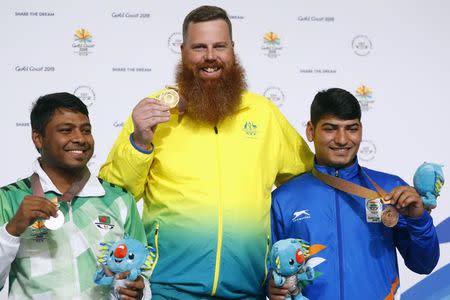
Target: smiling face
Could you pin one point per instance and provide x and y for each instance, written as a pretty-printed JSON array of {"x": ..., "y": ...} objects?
[
  {"x": 66, "y": 145},
  {"x": 208, "y": 49},
  {"x": 336, "y": 141}
]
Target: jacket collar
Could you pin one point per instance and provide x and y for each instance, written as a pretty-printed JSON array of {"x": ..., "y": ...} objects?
[
  {"x": 345, "y": 173},
  {"x": 245, "y": 103},
  {"x": 93, "y": 188}
]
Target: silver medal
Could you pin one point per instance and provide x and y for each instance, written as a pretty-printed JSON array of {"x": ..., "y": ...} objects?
[{"x": 55, "y": 223}]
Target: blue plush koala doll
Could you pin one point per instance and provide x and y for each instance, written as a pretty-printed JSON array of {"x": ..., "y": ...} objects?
[
  {"x": 124, "y": 255},
  {"x": 288, "y": 261},
  {"x": 428, "y": 180}
]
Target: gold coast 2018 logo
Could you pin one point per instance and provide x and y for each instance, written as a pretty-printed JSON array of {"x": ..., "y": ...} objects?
[
  {"x": 272, "y": 44},
  {"x": 83, "y": 42},
  {"x": 364, "y": 96}
]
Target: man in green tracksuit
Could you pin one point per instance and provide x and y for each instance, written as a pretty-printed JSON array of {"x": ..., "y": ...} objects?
[{"x": 48, "y": 247}]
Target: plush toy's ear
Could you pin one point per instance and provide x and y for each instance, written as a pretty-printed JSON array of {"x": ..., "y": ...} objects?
[
  {"x": 274, "y": 257},
  {"x": 304, "y": 245},
  {"x": 150, "y": 260},
  {"x": 103, "y": 252}
]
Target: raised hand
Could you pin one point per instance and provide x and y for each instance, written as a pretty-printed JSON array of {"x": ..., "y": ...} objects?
[{"x": 147, "y": 114}]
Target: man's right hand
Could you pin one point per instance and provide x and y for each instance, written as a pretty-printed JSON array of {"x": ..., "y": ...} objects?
[
  {"x": 277, "y": 293},
  {"x": 31, "y": 209},
  {"x": 146, "y": 115}
]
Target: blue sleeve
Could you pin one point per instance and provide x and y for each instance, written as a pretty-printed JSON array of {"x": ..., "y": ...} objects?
[
  {"x": 417, "y": 242},
  {"x": 276, "y": 219}
]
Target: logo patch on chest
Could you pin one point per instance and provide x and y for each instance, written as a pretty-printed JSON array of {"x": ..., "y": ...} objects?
[
  {"x": 104, "y": 222},
  {"x": 301, "y": 215},
  {"x": 250, "y": 129}
]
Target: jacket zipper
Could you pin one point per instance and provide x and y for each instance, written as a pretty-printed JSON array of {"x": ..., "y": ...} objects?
[
  {"x": 265, "y": 261},
  {"x": 74, "y": 262},
  {"x": 156, "y": 247},
  {"x": 220, "y": 220},
  {"x": 339, "y": 232}
]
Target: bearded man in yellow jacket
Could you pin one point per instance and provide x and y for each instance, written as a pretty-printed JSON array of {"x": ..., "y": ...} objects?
[{"x": 206, "y": 170}]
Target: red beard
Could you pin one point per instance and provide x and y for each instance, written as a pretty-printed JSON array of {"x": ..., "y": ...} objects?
[{"x": 211, "y": 101}]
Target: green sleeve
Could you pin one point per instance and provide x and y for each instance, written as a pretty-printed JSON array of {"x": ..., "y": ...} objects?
[
  {"x": 133, "y": 223},
  {"x": 6, "y": 209}
]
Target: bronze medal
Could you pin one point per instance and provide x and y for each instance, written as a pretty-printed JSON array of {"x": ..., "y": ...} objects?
[{"x": 389, "y": 216}]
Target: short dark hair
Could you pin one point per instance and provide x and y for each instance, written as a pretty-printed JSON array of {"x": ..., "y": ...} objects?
[
  {"x": 44, "y": 108},
  {"x": 335, "y": 102},
  {"x": 206, "y": 13}
]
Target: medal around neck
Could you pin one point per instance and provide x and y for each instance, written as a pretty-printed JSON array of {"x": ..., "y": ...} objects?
[
  {"x": 55, "y": 223},
  {"x": 389, "y": 216},
  {"x": 170, "y": 98}
]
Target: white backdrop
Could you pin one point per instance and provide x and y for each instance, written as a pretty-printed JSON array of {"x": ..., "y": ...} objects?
[{"x": 398, "y": 50}]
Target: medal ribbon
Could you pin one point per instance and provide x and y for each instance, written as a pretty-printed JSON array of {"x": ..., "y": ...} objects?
[
  {"x": 350, "y": 187},
  {"x": 73, "y": 190}
]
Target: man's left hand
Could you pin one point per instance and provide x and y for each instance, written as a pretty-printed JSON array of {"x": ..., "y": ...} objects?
[
  {"x": 133, "y": 289},
  {"x": 406, "y": 200}
]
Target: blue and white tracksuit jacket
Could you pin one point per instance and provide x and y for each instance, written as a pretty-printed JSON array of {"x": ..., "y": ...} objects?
[{"x": 360, "y": 257}]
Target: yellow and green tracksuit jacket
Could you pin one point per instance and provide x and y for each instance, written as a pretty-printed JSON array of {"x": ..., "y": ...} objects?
[{"x": 207, "y": 196}]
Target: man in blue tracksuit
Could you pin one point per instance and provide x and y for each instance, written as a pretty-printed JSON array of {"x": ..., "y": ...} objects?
[{"x": 359, "y": 256}]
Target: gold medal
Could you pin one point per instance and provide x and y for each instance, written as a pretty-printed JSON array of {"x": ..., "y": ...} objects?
[
  {"x": 169, "y": 97},
  {"x": 389, "y": 216}
]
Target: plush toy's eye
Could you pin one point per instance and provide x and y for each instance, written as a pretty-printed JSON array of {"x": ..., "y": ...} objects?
[
  {"x": 291, "y": 261},
  {"x": 131, "y": 256},
  {"x": 111, "y": 253}
]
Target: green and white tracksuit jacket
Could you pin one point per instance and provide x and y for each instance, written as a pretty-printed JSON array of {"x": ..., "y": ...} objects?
[
  {"x": 207, "y": 196},
  {"x": 60, "y": 264}
]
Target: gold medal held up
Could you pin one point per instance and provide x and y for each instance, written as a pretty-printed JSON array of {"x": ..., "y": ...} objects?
[{"x": 169, "y": 97}]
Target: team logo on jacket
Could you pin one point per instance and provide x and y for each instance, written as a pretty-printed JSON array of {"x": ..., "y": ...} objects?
[
  {"x": 250, "y": 129},
  {"x": 104, "y": 222},
  {"x": 300, "y": 215},
  {"x": 38, "y": 231}
]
